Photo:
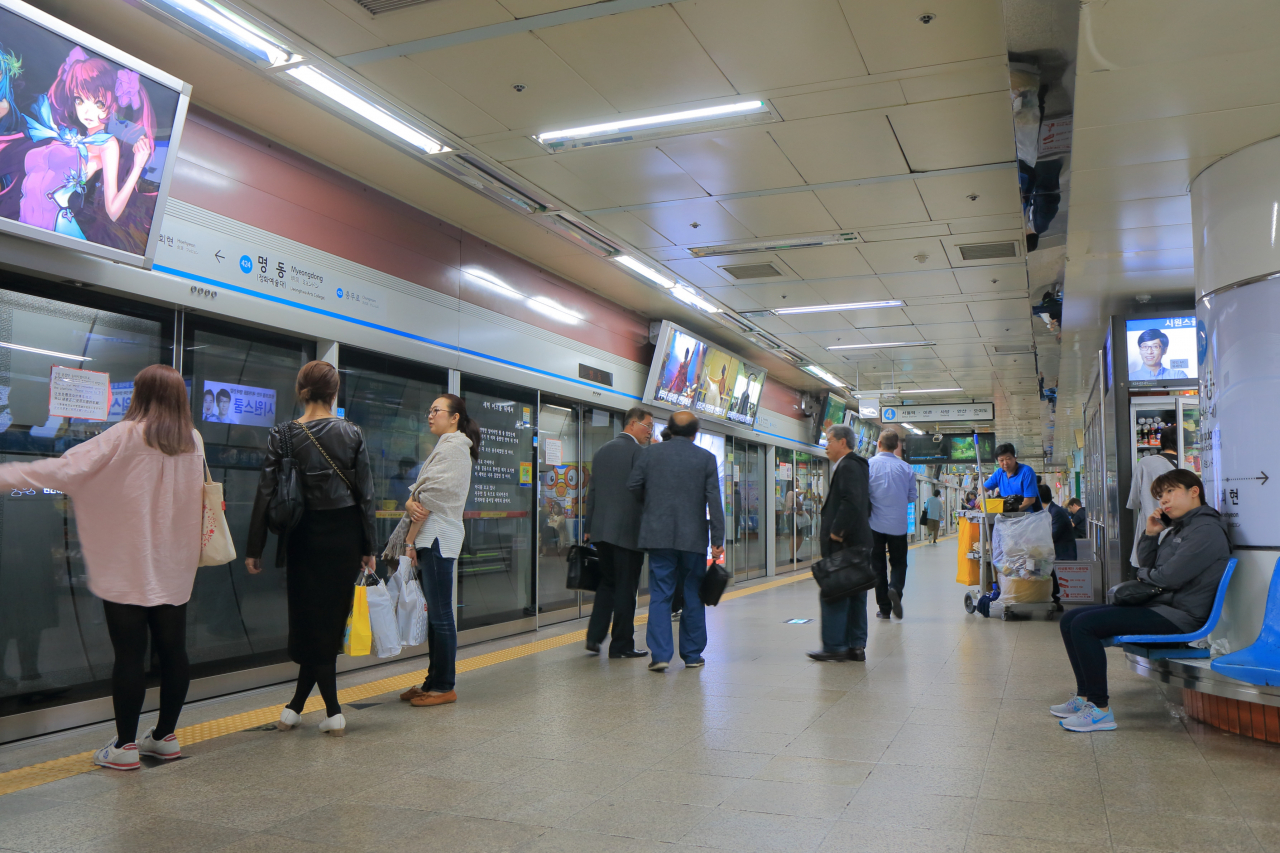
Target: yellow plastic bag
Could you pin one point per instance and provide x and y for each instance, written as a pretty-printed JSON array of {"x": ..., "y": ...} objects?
[
  {"x": 358, "y": 639},
  {"x": 967, "y": 570},
  {"x": 1026, "y": 590}
]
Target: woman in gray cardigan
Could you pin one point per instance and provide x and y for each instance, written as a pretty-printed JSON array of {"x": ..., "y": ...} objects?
[{"x": 431, "y": 534}]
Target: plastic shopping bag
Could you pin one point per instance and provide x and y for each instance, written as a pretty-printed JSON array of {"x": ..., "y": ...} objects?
[
  {"x": 411, "y": 608},
  {"x": 382, "y": 620},
  {"x": 358, "y": 639},
  {"x": 1023, "y": 546}
]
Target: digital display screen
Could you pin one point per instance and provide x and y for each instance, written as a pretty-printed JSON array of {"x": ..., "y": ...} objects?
[
  {"x": 84, "y": 140},
  {"x": 962, "y": 448},
  {"x": 689, "y": 373},
  {"x": 1161, "y": 350},
  {"x": 224, "y": 403},
  {"x": 832, "y": 414},
  {"x": 922, "y": 448}
]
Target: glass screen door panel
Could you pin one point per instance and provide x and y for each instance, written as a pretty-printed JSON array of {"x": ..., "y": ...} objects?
[
  {"x": 496, "y": 571},
  {"x": 599, "y": 427},
  {"x": 750, "y": 487},
  {"x": 784, "y": 499},
  {"x": 561, "y": 500},
  {"x": 806, "y": 532}
]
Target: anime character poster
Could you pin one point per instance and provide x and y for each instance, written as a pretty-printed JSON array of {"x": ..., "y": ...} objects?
[
  {"x": 83, "y": 139},
  {"x": 681, "y": 367}
]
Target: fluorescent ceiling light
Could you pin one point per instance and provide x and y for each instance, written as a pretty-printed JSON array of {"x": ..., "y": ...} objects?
[
  {"x": 690, "y": 296},
  {"x": 550, "y": 308},
  {"x": 649, "y": 273},
  {"x": 902, "y": 393},
  {"x": 823, "y": 375},
  {"x": 47, "y": 352},
  {"x": 917, "y": 431},
  {"x": 776, "y": 244},
  {"x": 909, "y": 426},
  {"x": 883, "y": 346},
  {"x": 231, "y": 27},
  {"x": 848, "y": 306},
  {"x": 366, "y": 109},
  {"x": 743, "y": 108}
]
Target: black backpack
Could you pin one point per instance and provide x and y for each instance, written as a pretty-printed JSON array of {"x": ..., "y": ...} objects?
[{"x": 284, "y": 510}]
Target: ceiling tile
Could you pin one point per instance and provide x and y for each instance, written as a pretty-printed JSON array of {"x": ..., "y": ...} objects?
[
  {"x": 957, "y": 350},
  {"x": 836, "y": 292},
  {"x": 904, "y": 232},
  {"x": 781, "y": 214},
  {"x": 957, "y": 84},
  {"x": 891, "y": 36},
  {"x": 1141, "y": 213},
  {"x": 827, "y": 321},
  {"x": 948, "y": 196},
  {"x": 952, "y": 245},
  {"x": 677, "y": 223},
  {"x": 632, "y": 174},
  {"x": 948, "y": 331},
  {"x": 940, "y": 283},
  {"x": 1001, "y": 309},
  {"x": 870, "y": 318},
  {"x": 695, "y": 272},
  {"x": 1012, "y": 361},
  {"x": 772, "y": 44},
  {"x": 1140, "y": 239},
  {"x": 485, "y": 71},
  {"x": 424, "y": 21},
  {"x": 826, "y": 262},
  {"x": 1141, "y": 180},
  {"x": 528, "y": 8},
  {"x": 639, "y": 60},
  {"x": 631, "y": 229},
  {"x": 992, "y": 279},
  {"x": 323, "y": 25},
  {"x": 781, "y": 295},
  {"x": 1004, "y": 329},
  {"x": 719, "y": 265},
  {"x": 1176, "y": 138},
  {"x": 938, "y": 313},
  {"x": 549, "y": 174},
  {"x": 871, "y": 205},
  {"x": 733, "y": 161},
  {"x": 956, "y": 132},
  {"x": 831, "y": 339},
  {"x": 513, "y": 148},
  {"x": 774, "y": 325},
  {"x": 850, "y": 99},
  {"x": 841, "y": 148},
  {"x": 901, "y": 255},
  {"x": 421, "y": 90},
  {"x": 734, "y": 298},
  {"x": 986, "y": 223}
]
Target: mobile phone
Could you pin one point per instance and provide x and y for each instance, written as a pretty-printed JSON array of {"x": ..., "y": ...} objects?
[{"x": 1168, "y": 522}]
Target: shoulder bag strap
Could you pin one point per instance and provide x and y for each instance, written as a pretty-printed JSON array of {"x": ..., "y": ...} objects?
[
  {"x": 208, "y": 475},
  {"x": 335, "y": 468}
]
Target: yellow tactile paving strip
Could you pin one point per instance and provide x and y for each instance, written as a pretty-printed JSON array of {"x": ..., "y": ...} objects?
[{"x": 22, "y": 778}]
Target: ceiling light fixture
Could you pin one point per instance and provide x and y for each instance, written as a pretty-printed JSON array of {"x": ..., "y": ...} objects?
[
  {"x": 690, "y": 296},
  {"x": 330, "y": 88},
  {"x": 560, "y": 138},
  {"x": 848, "y": 306},
  {"x": 883, "y": 346},
  {"x": 229, "y": 29},
  {"x": 46, "y": 352},
  {"x": 823, "y": 375},
  {"x": 645, "y": 271},
  {"x": 778, "y": 244}
]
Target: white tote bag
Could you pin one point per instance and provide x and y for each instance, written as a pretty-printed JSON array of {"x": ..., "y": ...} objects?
[
  {"x": 382, "y": 621},
  {"x": 216, "y": 547},
  {"x": 411, "y": 608}
]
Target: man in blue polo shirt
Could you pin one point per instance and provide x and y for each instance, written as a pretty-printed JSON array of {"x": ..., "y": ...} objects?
[{"x": 1013, "y": 479}]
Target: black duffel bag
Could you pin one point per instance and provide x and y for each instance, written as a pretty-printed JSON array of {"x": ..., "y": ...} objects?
[
  {"x": 844, "y": 573},
  {"x": 714, "y": 584},
  {"x": 584, "y": 568}
]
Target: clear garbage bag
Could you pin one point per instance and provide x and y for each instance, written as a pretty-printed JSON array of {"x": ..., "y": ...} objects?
[{"x": 1022, "y": 547}]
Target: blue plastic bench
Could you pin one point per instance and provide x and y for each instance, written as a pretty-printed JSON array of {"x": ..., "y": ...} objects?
[
  {"x": 1139, "y": 644},
  {"x": 1260, "y": 662}
]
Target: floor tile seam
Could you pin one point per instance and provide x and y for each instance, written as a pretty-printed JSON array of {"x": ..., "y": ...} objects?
[{"x": 23, "y": 778}]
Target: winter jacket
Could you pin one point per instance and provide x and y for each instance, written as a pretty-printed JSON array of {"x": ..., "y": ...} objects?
[{"x": 1187, "y": 560}]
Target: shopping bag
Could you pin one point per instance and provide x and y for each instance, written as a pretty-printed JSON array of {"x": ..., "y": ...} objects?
[
  {"x": 844, "y": 573},
  {"x": 584, "y": 568},
  {"x": 411, "y": 608},
  {"x": 216, "y": 547},
  {"x": 382, "y": 620},
  {"x": 713, "y": 584},
  {"x": 358, "y": 639}
]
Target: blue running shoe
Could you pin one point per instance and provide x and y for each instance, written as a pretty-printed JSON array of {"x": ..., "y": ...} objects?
[
  {"x": 1070, "y": 708},
  {"x": 1090, "y": 719}
]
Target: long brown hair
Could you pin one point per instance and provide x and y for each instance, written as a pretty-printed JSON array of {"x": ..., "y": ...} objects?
[{"x": 160, "y": 400}]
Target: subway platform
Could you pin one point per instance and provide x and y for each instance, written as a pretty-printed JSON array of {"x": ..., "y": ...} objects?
[{"x": 941, "y": 741}]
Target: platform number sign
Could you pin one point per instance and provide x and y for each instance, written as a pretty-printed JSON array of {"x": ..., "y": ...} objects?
[{"x": 888, "y": 414}]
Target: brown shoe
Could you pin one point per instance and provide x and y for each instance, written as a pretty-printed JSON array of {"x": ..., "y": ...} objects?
[
  {"x": 412, "y": 693},
  {"x": 427, "y": 699}
]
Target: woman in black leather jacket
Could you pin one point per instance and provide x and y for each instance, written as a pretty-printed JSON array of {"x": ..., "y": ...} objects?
[{"x": 324, "y": 553}]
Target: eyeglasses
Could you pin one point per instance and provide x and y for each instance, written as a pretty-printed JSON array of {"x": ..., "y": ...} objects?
[
  {"x": 1151, "y": 348},
  {"x": 435, "y": 410}
]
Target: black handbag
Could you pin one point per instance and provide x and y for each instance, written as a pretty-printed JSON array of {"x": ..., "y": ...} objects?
[
  {"x": 584, "y": 568},
  {"x": 1133, "y": 593},
  {"x": 714, "y": 584},
  {"x": 284, "y": 510},
  {"x": 844, "y": 573}
]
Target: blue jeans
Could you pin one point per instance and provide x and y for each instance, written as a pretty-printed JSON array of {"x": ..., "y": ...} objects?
[
  {"x": 442, "y": 633},
  {"x": 844, "y": 623},
  {"x": 1084, "y": 629},
  {"x": 667, "y": 568}
]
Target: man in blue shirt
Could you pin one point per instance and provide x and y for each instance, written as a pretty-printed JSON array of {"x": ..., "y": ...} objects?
[
  {"x": 1013, "y": 479},
  {"x": 893, "y": 487},
  {"x": 1152, "y": 345}
]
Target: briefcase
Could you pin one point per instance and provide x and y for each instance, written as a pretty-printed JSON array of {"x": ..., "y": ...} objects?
[
  {"x": 845, "y": 572},
  {"x": 714, "y": 584},
  {"x": 584, "y": 568}
]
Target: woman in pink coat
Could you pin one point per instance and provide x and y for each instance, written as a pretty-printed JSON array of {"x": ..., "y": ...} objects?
[{"x": 138, "y": 491}]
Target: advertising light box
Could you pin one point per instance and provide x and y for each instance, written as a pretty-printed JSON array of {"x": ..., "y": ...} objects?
[
  {"x": 1161, "y": 351},
  {"x": 690, "y": 373}
]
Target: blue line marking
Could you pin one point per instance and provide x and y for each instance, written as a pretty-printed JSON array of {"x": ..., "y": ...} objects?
[{"x": 269, "y": 298}]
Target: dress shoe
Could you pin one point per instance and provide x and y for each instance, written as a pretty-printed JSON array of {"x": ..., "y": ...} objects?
[
  {"x": 857, "y": 654},
  {"x": 593, "y": 648},
  {"x": 825, "y": 657},
  {"x": 426, "y": 700},
  {"x": 895, "y": 602},
  {"x": 634, "y": 653},
  {"x": 413, "y": 691}
]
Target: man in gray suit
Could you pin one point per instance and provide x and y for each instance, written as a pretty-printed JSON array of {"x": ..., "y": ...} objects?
[
  {"x": 679, "y": 485},
  {"x": 612, "y": 524}
]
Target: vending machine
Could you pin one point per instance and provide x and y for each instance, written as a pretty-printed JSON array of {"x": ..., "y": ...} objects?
[{"x": 1148, "y": 415}]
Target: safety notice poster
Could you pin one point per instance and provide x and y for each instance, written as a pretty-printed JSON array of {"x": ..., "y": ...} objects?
[{"x": 76, "y": 393}]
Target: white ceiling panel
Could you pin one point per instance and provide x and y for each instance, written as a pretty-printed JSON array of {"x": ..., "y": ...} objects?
[
  {"x": 782, "y": 214},
  {"x": 632, "y": 230},
  {"x": 1012, "y": 361},
  {"x": 901, "y": 255},
  {"x": 424, "y": 21},
  {"x": 324, "y": 25},
  {"x": 947, "y": 313},
  {"x": 874, "y": 317},
  {"x": 957, "y": 132},
  {"x": 1175, "y": 138},
  {"x": 892, "y": 37},
  {"x": 939, "y": 283},
  {"x": 720, "y": 264},
  {"x": 550, "y": 174},
  {"x": 1140, "y": 239},
  {"x": 948, "y": 331},
  {"x": 960, "y": 350},
  {"x": 849, "y": 99},
  {"x": 772, "y": 44},
  {"x": 696, "y": 272},
  {"x": 904, "y": 232},
  {"x": 1140, "y": 213},
  {"x": 733, "y": 161},
  {"x": 693, "y": 222},
  {"x": 639, "y": 60},
  {"x": 774, "y": 325},
  {"x": 841, "y": 148},
  {"x": 826, "y": 262},
  {"x": 992, "y": 77},
  {"x": 421, "y": 90},
  {"x": 986, "y": 223},
  {"x": 1001, "y": 309},
  {"x": 952, "y": 196},
  {"x": 888, "y": 203},
  {"x": 528, "y": 8},
  {"x": 828, "y": 321},
  {"x": 992, "y": 279},
  {"x": 831, "y": 339},
  {"x": 733, "y": 298},
  {"x": 511, "y": 148},
  {"x": 851, "y": 290},
  {"x": 1141, "y": 180},
  {"x": 1003, "y": 329},
  {"x": 781, "y": 295},
  {"x": 632, "y": 174}
]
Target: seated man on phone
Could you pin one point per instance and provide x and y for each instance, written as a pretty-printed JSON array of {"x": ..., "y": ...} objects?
[{"x": 1184, "y": 550}]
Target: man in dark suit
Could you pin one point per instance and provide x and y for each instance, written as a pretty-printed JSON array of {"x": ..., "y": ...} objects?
[
  {"x": 679, "y": 486},
  {"x": 846, "y": 522},
  {"x": 1079, "y": 518},
  {"x": 612, "y": 524}
]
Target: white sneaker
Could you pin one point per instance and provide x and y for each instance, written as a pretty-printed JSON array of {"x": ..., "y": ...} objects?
[
  {"x": 1090, "y": 719},
  {"x": 117, "y": 758},
  {"x": 166, "y": 747},
  {"x": 288, "y": 719},
  {"x": 1069, "y": 708},
  {"x": 335, "y": 725}
]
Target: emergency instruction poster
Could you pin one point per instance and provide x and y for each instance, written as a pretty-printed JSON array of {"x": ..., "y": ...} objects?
[{"x": 76, "y": 393}]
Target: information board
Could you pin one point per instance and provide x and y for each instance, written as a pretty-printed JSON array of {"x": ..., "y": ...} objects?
[{"x": 76, "y": 393}]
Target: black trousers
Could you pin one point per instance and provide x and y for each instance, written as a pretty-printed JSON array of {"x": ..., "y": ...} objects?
[
  {"x": 616, "y": 597},
  {"x": 896, "y": 546},
  {"x": 1083, "y": 631},
  {"x": 129, "y": 625}
]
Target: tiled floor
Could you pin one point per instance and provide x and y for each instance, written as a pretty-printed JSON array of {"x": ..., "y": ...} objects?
[{"x": 940, "y": 742}]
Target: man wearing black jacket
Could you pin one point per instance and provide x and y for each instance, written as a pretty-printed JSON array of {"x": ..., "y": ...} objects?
[{"x": 846, "y": 522}]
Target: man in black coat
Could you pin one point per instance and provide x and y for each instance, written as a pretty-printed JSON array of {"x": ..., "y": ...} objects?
[
  {"x": 612, "y": 524},
  {"x": 1079, "y": 518},
  {"x": 846, "y": 522}
]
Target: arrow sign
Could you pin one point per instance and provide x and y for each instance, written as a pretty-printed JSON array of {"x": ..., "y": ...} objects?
[
  {"x": 1263, "y": 478},
  {"x": 218, "y": 256}
]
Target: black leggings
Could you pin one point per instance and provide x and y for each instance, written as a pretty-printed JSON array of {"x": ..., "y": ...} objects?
[
  {"x": 129, "y": 625},
  {"x": 1083, "y": 631},
  {"x": 324, "y": 676}
]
